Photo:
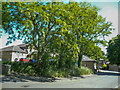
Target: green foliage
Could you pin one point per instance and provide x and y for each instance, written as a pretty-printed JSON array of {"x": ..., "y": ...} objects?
[
  {"x": 30, "y": 69},
  {"x": 21, "y": 67},
  {"x": 113, "y": 50},
  {"x": 82, "y": 71},
  {"x": 86, "y": 71},
  {"x": 105, "y": 66},
  {"x": 55, "y": 27},
  {"x": 94, "y": 52},
  {"x": 88, "y": 27}
]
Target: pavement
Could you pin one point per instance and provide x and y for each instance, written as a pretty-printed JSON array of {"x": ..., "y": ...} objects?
[{"x": 103, "y": 79}]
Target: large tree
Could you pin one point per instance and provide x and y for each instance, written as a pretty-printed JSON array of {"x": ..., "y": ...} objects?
[
  {"x": 37, "y": 24},
  {"x": 113, "y": 50},
  {"x": 87, "y": 26}
]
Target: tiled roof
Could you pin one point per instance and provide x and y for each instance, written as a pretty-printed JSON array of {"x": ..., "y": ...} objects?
[{"x": 85, "y": 58}]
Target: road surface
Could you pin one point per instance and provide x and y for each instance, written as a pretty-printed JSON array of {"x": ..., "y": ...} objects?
[{"x": 104, "y": 79}]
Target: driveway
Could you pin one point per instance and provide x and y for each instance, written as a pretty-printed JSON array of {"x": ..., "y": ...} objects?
[{"x": 103, "y": 79}]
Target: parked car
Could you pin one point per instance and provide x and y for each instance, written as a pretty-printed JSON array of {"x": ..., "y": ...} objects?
[
  {"x": 24, "y": 59},
  {"x": 33, "y": 61}
]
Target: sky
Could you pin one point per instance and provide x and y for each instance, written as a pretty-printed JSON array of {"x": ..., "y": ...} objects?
[{"x": 109, "y": 9}]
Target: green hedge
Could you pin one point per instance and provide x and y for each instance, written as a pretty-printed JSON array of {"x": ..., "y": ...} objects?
[
  {"x": 30, "y": 69},
  {"x": 21, "y": 67}
]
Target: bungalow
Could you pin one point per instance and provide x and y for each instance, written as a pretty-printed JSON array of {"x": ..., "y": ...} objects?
[
  {"x": 12, "y": 53},
  {"x": 88, "y": 62}
]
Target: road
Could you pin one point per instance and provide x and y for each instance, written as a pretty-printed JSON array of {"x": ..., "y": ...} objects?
[{"x": 104, "y": 79}]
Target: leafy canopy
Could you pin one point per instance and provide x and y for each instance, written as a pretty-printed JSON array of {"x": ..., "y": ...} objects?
[
  {"x": 113, "y": 50},
  {"x": 55, "y": 27}
]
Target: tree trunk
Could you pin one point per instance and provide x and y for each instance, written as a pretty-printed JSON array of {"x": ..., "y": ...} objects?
[
  {"x": 60, "y": 58},
  {"x": 79, "y": 60},
  {"x": 39, "y": 56},
  {"x": 60, "y": 61}
]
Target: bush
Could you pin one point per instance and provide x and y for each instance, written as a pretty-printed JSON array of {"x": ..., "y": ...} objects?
[
  {"x": 21, "y": 67},
  {"x": 51, "y": 71},
  {"x": 82, "y": 71},
  {"x": 77, "y": 71},
  {"x": 104, "y": 67},
  {"x": 86, "y": 71}
]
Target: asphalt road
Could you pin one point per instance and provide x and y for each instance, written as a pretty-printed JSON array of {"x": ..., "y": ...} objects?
[{"x": 104, "y": 79}]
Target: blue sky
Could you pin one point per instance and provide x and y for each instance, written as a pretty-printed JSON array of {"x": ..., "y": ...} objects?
[{"x": 109, "y": 9}]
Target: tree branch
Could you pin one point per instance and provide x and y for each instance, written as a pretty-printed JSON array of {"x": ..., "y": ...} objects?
[{"x": 97, "y": 34}]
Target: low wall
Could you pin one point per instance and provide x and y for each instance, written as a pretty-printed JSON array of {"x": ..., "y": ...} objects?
[
  {"x": 5, "y": 69},
  {"x": 114, "y": 68}
]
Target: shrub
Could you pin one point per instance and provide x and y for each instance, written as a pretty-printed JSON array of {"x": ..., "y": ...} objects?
[
  {"x": 104, "y": 66},
  {"x": 51, "y": 71},
  {"x": 86, "y": 71},
  {"x": 82, "y": 71}
]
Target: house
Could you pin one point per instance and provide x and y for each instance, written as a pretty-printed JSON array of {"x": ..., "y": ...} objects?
[
  {"x": 13, "y": 53},
  {"x": 88, "y": 62}
]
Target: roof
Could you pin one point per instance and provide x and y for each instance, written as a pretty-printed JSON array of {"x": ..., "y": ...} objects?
[
  {"x": 13, "y": 49},
  {"x": 22, "y": 45},
  {"x": 85, "y": 58}
]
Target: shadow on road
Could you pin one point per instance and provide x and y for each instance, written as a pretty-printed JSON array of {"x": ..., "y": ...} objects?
[
  {"x": 24, "y": 78},
  {"x": 11, "y": 78},
  {"x": 111, "y": 73}
]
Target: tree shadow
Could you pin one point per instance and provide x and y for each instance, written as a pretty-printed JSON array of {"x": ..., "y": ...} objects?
[
  {"x": 11, "y": 78},
  {"x": 109, "y": 73},
  {"x": 76, "y": 77},
  {"x": 25, "y": 78}
]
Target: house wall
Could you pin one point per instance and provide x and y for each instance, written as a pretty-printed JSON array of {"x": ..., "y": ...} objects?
[
  {"x": 18, "y": 55},
  {"x": 6, "y": 56},
  {"x": 89, "y": 64},
  {"x": 10, "y": 56}
]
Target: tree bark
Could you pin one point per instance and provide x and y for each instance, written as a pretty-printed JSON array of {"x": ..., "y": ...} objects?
[
  {"x": 39, "y": 56},
  {"x": 60, "y": 61},
  {"x": 79, "y": 60}
]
